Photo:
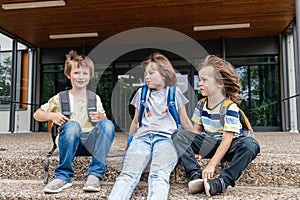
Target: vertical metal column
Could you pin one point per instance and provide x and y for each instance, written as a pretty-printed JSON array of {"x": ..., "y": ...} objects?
[
  {"x": 297, "y": 60},
  {"x": 13, "y": 87},
  {"x": 224, "y": 48},
  {"x": 33, "y": 88},
  {"x": 291, "y": 58}
]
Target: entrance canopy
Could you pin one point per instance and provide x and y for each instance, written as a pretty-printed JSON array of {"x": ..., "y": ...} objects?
[{"x": 256, "y": 18}]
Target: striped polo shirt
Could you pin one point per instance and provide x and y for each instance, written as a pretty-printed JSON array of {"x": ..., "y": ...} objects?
[{"x": 210, "y": 119}]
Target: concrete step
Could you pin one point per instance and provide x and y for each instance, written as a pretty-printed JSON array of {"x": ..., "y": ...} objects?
[
  {"x": 266, "y": 170},
  {"x": 33, "y": 189},
  {"x": 278, "y": 165}
]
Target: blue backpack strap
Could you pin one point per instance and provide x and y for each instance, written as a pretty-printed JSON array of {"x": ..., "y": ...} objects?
[
  {"x": 172, "y": 106},
  {"x": 142, "y": 103},
  {"x": 91, "y": 104},
  {"x": 64, "y": 103}
]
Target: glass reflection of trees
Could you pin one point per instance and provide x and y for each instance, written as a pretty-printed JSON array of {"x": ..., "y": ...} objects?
[
  {"x": 260, "y": 91},
  {"x": 5, "y": 80}
]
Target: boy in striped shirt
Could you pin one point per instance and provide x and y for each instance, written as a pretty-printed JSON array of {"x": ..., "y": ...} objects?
[{"x": 213, "y": 137}]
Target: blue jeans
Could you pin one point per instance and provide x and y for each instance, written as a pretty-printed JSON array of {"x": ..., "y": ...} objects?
[
  {"x": 73, "y": 142},
  {"x": 162, "y": 153},
  {"x": 241, "y": 152}
]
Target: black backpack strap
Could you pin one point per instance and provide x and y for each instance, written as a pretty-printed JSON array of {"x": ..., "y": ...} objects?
[
  {"x": 64, "y": 100},
  {"x": 223, "y": 110},
  {"x": 65, "y": 110},
  {"x": 91, "y": 104},
  {"x": 247, "y": 129},
  {"x": 54, "y": 147}
]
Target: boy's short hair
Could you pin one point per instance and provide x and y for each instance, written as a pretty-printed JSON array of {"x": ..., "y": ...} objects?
[{"x": 74, "y": 59}]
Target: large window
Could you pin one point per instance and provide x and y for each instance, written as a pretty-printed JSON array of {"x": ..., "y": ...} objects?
[
  {"x": 5, "y": 70},
  {"x": 9, "y": 75},
  {"x": 260, "y": 90}
]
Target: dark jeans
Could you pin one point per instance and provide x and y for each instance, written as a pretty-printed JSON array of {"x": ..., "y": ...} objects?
[{"x": 241, "y": 152}]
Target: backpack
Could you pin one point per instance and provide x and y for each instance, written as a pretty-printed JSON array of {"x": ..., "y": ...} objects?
[
  {"x": 65, "y": 103},
  {"x": 246, "y": 126},
  {"x": 64, "y": 100},
  {"x": 170, "y": 104}
]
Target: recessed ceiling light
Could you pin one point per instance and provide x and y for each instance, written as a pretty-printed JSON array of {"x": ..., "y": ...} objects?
[
  {"x": 220, "y": 27},
  {"x": 73, "y": 35},
  {"x": 38, "y": 4}
]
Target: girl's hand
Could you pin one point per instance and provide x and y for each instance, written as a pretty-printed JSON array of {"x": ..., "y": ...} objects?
[{"x": 96, "y": 116}]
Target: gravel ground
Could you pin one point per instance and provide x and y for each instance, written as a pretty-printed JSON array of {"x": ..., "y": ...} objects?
[{"x": 274, "y": 174}]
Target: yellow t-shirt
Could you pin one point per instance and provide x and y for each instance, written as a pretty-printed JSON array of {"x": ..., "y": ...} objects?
[{"x": 78, "y": 109}]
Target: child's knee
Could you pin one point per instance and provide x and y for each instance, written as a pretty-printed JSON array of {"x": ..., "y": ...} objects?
[
  {"x": 179, "y": 134},
  {"x": 106, "y": 126},
  {"x": 252, "y": 145},
  {"x": 71, "y": 129}
]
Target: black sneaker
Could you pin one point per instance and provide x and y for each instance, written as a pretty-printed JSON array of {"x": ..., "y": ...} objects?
[{"x": 214, "y": 186}]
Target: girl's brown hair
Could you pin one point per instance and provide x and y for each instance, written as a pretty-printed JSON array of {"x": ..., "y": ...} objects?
[
  {"x": 226, "y": 74},
  {"x": 74, "y": 59},
  {"x": 164, "y": 67}
]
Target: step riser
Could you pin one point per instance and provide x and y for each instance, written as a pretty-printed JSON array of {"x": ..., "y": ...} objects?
[
  {"x": 257, "y": 173},
  {"x": 24, "y": 189}
]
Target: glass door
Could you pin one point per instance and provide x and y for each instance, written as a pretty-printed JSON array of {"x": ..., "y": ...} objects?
[{"x": 261, "y": 92}]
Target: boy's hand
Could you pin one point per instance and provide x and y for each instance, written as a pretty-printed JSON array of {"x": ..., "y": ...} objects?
[
  {"x": 96, "y": 116},
  {"x": 58, "y": 118},
  {"x": 208, "y": 172}
]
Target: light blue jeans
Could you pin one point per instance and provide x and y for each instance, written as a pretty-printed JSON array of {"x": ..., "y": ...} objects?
[
  {"x": 162, "y": 153},
  {"x": 73, "y": 142}
]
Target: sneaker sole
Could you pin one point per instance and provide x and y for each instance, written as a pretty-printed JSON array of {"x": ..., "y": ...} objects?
[
  {"x": 49, "y": 191},
  {"x": 196, "y": 186},
  {"x": 206, "y": 188},
  {"x": 91, "y": 189}
]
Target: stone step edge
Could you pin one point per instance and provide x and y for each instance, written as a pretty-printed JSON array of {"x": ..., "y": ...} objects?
[
  {"x": 143, "y": 184},
  {"x": 32, "y": 189},
  {"x": 262, "y": 158}
]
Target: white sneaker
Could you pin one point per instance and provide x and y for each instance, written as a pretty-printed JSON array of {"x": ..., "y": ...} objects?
[
  {"x": 56, "y": 186},
  {"x": 196, "y": 186},
  {"x": 92, "y": 184}
]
